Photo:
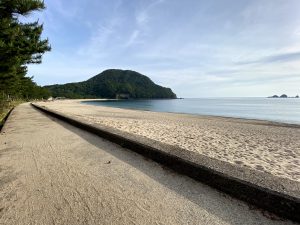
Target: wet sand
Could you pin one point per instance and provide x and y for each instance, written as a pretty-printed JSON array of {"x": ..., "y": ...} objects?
[
  {"x": 265, "y": 146},
  {"x": 54, "y": 173}
]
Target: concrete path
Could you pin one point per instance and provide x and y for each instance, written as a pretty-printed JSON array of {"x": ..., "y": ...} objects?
[{"x": 53, "y": 173}]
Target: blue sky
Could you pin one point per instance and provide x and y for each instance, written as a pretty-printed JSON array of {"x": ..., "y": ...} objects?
[{"x": 216, "y": 48}]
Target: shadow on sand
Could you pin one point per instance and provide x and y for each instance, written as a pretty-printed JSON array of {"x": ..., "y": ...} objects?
[{"x": 214, "y": 202}]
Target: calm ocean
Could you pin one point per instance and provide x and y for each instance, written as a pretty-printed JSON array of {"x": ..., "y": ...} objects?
[{"x": 280, "y": 110}]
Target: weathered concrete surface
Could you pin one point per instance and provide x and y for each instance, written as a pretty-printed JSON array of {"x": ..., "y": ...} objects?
[{"x": 53, "y": 173}]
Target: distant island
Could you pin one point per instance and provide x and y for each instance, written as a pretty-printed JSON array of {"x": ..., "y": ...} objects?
[
  {"x": 283, "y": 96},
  {"x": 113, "y": 83}
]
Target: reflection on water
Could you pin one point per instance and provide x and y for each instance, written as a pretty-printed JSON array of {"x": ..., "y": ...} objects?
[{"x": 281, "y": 110}]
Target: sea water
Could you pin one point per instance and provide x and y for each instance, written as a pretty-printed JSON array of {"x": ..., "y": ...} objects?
[{"x": 286, "y": 110}]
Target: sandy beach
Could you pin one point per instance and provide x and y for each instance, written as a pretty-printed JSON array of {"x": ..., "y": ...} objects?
[
  {"x": 54, "y": 173},
  {"x": 260, "y": 145}
]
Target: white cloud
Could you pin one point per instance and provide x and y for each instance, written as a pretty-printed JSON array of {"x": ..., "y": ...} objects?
[
  {"x": 192, "y": 46},
  {"x": 133, "y": 38}
]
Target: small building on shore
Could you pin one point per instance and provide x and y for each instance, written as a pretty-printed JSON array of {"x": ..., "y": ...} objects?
[{"x": 122, "y": 96}]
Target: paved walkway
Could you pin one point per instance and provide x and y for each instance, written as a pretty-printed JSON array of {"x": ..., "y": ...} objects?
[{"x": 53, "y": 173}]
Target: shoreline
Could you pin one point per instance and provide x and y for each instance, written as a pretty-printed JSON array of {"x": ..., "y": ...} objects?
[
  {"x": 261, "y": 145},
  {"x": 259, "y": 121},
  {"x": 275, "y": 194},
  {"x": 64, "y": 175}
]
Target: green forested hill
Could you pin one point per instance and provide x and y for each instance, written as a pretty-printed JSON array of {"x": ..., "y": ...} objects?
[{"x": 111, "y": 83}]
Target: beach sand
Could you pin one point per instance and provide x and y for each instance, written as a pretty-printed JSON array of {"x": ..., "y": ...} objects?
[
  {"x": 54, "y": 173},
  {"x": 260, "y": 145}
]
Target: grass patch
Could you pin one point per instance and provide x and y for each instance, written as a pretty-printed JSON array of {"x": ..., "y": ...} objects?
[{"x": 5, "y": 107}]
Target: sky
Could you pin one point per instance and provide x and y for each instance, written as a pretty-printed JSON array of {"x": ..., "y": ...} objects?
[{"x": 216, "y": 48}]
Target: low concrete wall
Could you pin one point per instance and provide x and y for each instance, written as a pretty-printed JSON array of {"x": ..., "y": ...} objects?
[{"x": 274, "y": 194}]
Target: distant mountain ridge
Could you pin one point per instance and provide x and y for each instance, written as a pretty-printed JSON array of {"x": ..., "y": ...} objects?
[{"x": 112, "y": 83}]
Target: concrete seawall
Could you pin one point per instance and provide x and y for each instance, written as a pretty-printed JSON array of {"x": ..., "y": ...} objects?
[{"x": 277, "y": 195}]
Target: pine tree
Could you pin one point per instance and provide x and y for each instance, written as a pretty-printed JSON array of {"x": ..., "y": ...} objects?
[{"x": 20, "y": 44}]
